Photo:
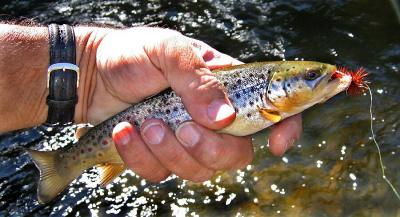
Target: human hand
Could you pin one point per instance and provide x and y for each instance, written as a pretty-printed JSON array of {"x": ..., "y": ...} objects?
[{"x": 136, "y": 63}]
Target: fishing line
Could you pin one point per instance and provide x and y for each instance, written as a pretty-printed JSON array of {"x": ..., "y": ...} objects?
[{"x": 378, "y": 147}]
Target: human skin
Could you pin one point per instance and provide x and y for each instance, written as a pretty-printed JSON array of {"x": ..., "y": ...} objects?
[{"x": 122, "y": 67}]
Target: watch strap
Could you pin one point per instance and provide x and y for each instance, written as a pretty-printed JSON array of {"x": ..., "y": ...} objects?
[{"x": 63, "y": 80}]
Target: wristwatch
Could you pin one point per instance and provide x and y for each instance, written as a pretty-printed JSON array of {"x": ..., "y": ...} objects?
[{"x": 62, "y": 75}]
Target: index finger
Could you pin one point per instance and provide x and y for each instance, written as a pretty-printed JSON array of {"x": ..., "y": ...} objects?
[
  {"x": 212, "y": 57},
  {"x": 202, "y": 94}
]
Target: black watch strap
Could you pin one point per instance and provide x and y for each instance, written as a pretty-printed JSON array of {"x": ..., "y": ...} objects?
[{"x": 63, "y": 75}]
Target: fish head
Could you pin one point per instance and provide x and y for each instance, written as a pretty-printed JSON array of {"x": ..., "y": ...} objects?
[{"x": 297, "y": 85}]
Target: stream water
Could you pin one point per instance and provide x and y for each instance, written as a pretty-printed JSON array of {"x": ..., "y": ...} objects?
[{"x": 332, "y": 170}]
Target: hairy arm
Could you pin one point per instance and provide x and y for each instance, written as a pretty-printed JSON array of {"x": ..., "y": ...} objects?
[{"x": 24, "y": 58}]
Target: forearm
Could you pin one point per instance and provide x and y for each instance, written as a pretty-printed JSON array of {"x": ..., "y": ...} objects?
[{"x": 24, "y": 58}]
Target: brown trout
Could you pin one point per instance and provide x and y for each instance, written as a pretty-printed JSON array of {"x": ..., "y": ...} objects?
[{"x": 262, "y": 94}]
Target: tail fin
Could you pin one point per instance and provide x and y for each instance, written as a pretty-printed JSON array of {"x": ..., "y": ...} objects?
[{"x": 52, "y": 181}]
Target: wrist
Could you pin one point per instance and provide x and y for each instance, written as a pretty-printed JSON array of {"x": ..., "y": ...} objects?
[
  {"x": 88, "y": 40},
  {"x": 24, "y": 59}
]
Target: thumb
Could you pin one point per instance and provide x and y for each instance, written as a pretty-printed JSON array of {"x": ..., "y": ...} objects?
[{"x": 202, "y": 94}]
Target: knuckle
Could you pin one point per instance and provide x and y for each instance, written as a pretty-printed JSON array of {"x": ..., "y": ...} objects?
[
  {"x": 151, "y": 171},
  {"x": 202, "y": 176},
  {"x": 159, "y": 176},
  {"x": 208, "y": 81},
  {"x": 135, "y": 161},
  {"x": 205, "y": 86},
  {"x": 214, "y": 156},
  {"x": 175, "y": 47},
  {"x": 174, "y": 158},
  {"x": 179, "y": 52},
  {"x": 131, "y": 161}
]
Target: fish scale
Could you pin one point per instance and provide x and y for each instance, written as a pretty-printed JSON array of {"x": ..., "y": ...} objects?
[
  {"x": 248, "y": 87},
  {"x": 245, "y": 89}
]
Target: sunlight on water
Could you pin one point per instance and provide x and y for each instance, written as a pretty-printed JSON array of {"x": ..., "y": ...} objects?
[{"x": 332, "y": 170}]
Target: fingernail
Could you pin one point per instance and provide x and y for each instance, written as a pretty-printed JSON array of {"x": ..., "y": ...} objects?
[
  {"x": 188, "y": 134},
  {"x": 219, "y": 110},
  {"x": 123, "y": 136},
  {"x": 153, "y": 133}
]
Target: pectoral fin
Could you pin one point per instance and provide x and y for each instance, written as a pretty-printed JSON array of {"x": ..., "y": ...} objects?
[
  {"x": 270, "y": 114},
  {"x": 109, "y": 172}
]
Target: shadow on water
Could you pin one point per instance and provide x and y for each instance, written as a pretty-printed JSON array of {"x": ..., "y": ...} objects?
[{"x": 332, "y": 171}]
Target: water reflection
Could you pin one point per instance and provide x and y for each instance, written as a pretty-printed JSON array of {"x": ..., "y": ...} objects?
[{"x": 332, "y": 171}]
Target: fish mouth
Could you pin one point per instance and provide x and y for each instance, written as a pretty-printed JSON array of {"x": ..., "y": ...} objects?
[
  {"x": 332, "y": 77},
  {"x": 336, "y": 74},
  {"x": 335, "y": 83},
  {"x": 339, "y": 77}
]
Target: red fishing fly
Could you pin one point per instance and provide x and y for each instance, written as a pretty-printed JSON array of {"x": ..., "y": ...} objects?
[{"x": 358, "y": 83}]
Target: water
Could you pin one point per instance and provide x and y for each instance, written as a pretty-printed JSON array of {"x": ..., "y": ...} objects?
[{"x": 332, "y": 171}]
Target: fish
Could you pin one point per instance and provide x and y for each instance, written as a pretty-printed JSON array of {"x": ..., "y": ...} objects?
[{"x": 262, "y": 94}]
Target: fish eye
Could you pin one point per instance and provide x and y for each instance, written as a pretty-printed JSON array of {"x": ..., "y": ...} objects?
[{"x": 311, "y": 75}]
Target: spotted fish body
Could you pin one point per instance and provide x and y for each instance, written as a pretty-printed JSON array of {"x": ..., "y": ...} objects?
[{"x": 261, "y": 93}]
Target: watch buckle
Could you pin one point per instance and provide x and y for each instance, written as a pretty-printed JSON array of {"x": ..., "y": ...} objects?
[{"x": 63, "y": 67}]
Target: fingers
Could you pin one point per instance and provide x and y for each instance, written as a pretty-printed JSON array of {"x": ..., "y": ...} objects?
[
  {"x": 284, "y": 134},
  {"x": 187, "y": 73},
  {"x": 215, "y": 151},
  {"x": 136, "y": 155},
  {"x": 213, "y": 58},
  {"x": 156, "y": 151},
  {"x": 194, "y": 154},
  {"x": 164, "y": 145}
]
